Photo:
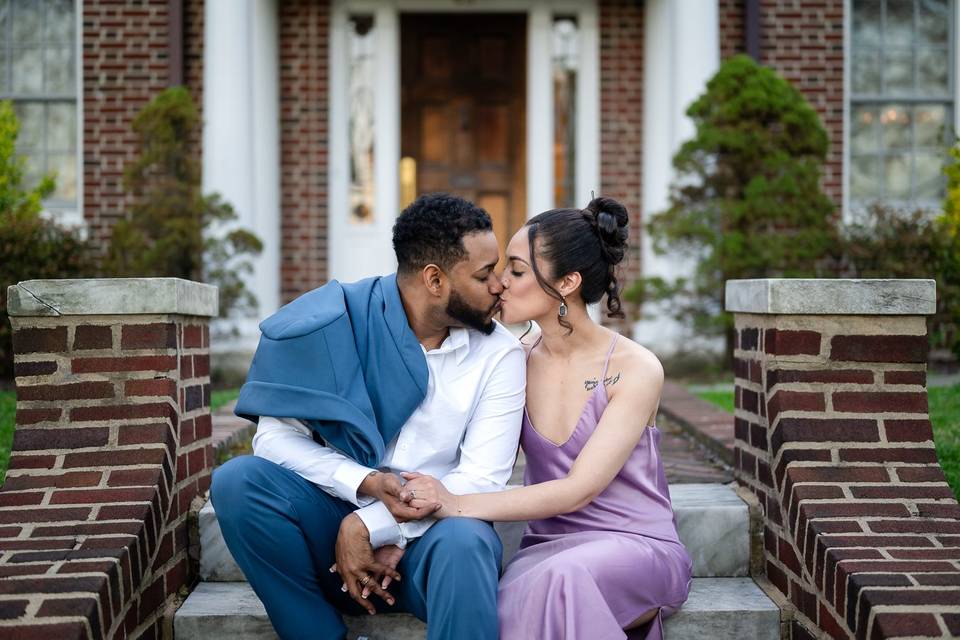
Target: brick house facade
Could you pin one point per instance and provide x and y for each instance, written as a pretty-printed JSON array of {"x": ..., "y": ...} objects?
[{"x": 274, "y": 78}]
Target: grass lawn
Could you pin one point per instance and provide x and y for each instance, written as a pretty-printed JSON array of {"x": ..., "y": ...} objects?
[
  {"x": 944, "y": 415},
  {"x": 8, "y": 407}
]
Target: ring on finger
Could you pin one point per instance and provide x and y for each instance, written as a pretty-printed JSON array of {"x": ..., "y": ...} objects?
[
  {"x": 364, "y": 580},
  {"x": 413, "y": 493}
]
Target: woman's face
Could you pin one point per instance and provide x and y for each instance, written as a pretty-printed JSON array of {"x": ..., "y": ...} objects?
[{"x": 523, "y": 298}]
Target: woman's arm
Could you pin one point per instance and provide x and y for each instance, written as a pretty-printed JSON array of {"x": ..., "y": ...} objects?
[{"x": 599, "y": 462}]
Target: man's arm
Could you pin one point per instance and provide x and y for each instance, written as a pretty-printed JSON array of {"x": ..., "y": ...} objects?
[
  {"x": 489, "y": 447},
  {"x": 288, "y": 443}
]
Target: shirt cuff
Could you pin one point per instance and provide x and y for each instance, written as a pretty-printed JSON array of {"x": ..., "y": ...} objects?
[
  {"x": 346, "y": 481},
  {"x": 383, "y": 528}
]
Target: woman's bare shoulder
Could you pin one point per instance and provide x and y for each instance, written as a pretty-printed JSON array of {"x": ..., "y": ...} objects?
[
  {"x": 529, "y": 340},
  {"x": 638, "y": 363}
]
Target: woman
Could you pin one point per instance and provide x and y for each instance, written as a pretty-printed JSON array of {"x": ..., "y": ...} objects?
[{"x": 600, "y": 555}]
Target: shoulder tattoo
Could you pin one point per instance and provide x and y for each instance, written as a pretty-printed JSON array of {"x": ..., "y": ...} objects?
[{"x": 592, "y": 383}]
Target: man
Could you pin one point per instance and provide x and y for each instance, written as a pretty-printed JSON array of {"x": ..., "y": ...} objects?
[{"x": 353, "y": 384}]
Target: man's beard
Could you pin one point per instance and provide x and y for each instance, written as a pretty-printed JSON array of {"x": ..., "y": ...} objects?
[{"x": 459, "y": 310}]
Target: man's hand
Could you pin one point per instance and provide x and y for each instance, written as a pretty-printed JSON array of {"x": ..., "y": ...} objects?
[
  {"x": 357, "y": 566},
  {"x": 387, "y": 488}
]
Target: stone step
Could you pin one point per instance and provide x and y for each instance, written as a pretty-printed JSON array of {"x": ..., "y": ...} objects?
[
  {"x": 712, "y": 520},
  {"x": 716, "y": 608}
]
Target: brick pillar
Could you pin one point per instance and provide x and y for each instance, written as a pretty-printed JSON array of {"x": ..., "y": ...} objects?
[
  {"x": 112, "y": 444},
  {"x": 862, "y": 533}
]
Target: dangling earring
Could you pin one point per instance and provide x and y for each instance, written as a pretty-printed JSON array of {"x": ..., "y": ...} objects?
[{"x": 563, "y": 307}]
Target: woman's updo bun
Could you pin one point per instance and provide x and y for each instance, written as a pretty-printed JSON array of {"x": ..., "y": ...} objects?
[
  {"x": 591, "y": 241},
  {"x": 610, "y": 224}
]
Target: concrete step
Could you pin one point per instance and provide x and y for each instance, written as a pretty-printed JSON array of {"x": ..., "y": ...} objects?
[
  {"x": 716, "y": 608},
  {"x": 712, "y": 520}
]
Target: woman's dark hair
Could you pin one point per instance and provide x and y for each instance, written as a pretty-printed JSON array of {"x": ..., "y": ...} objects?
[
  {"x": 431, "y": 230},
  {"x": 592, "y": 241}
]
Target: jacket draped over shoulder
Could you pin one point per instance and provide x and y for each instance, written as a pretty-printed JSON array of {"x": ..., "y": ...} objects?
[{"x": 343, "y": 359}]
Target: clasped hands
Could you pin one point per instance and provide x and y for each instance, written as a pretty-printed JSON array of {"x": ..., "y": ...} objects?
[{"x": 365, "y": 571}]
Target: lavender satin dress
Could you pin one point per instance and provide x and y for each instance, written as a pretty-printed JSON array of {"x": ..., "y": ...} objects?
[{"x": 588, "y": 574}]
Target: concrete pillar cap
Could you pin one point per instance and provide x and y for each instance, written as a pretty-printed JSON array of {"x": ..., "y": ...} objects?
[
  {"x": 112, "y": 296},
  {"x": 824, "y": 296}
]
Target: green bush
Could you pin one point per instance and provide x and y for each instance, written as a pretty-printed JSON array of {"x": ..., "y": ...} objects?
[
  {"x": 171, "y": 229},
  {"x": 888, "y": 242},
  {"x": 747, "y": 201},
  {"x": 31, "y": 246}
]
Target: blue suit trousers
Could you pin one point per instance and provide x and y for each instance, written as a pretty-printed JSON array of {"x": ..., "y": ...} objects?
[{"x": 282, "y": 530}]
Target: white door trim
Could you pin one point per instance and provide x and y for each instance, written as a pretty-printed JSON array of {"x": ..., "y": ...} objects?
[{"x": 357, "y": 251}]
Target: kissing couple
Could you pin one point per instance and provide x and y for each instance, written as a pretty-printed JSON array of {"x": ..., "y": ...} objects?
[{"x": 389, "y": 413}]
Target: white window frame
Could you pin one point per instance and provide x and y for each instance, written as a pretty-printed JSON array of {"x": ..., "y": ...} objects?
[
  {"x": 849, "y": 211},
  {"x": 72, "y": 215}
]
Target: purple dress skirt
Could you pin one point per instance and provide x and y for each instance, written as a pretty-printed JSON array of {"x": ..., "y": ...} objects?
[{"x": 588, "y": 574}]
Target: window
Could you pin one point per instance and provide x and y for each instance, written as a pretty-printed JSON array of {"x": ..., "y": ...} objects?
[
  {"x": 38, "y": 73},
  {"x": 901, "y": 100}
]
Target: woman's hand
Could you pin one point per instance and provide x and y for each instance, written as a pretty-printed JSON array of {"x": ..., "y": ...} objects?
[{"x": 426, "y": 492}]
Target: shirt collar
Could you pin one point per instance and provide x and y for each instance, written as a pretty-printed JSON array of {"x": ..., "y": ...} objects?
[{"x": 457, "y": 342}]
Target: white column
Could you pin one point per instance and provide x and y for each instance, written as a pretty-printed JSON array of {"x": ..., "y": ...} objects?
[
  {"x": 241, "y": 141},
  {"x": 681, "y": 53},
  {"x": 588, "y": 106},
  {"x": 539, "y": 110}
]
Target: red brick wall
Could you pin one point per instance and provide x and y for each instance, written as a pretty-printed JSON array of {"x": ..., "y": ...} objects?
[
  {"x": 112, "y": 443},
  {"x": 125, "y": 64},
  {"x": 621, "y": 116},
  {"x": 861, "y": 531},
  {"x": 304, "y": 108},
  {"x": 802, "y": 40}
]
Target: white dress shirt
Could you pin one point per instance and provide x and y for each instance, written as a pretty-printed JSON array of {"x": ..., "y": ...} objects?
[{"x": 465, "y": 432}]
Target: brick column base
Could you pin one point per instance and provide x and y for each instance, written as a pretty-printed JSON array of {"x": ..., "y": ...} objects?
[
  {"x": 862, "y": 533},
  {"x": 112, "y": 444}
]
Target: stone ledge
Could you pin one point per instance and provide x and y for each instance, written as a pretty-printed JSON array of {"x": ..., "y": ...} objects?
[
  {"x": 112, "y": 296},
  {"x": 815, "y": 296}
]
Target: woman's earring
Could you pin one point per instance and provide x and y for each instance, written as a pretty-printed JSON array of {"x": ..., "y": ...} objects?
[{"x": 563, "y": 308}]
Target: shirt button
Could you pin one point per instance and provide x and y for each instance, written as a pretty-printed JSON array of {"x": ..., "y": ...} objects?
[{"x": 403, "y": 447}]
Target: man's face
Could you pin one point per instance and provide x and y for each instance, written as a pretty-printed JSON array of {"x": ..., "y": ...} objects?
[{"x": 474, "y": 287}]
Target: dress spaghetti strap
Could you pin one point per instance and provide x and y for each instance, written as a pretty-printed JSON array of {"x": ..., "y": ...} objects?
[{"x": 606, "y": 363}]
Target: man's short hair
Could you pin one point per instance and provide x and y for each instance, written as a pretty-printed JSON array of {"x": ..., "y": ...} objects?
[{"x": 431, "y": 231}]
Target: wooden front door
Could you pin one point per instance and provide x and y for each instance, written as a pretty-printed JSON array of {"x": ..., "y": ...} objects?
[{"x": 463, "y": 84}]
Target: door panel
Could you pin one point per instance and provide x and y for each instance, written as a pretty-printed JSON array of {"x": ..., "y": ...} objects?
[{"x": 463, "y": 84}]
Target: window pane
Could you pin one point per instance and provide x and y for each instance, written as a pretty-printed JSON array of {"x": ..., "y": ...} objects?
[
  {"x": 59, "y": 22},
  {"x": 899, "y": 26},
  {"x": 866, "y": 23},
  {"x": 933, "y": 21},
  {"x": 930, "y": 178},
  {"x": 866, "y": 71},
  {"x": 362, "y": 95},
  {"x": 61, "y": 127},
  {"x": 59, "y": 70},
  {"x": 933, "y": 72},
  {"x": 895, "y": 121},
  {"x": 27, "y": 22},
  {"x": 896, "y": 176},
  {"x": 27, "y": 69},
  {"x": 865, "y": 177},
  {"x": 65, "y": 166},
  {"x": 865, "y": 130},
  {"x": 930, "y": 126},
  {"x": 30, "y": 115},
  {"x": 898, "y": 71},
  {"x": 32, "y": 169}
]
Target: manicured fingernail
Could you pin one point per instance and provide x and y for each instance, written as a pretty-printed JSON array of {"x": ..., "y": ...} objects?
[
  {"x": 332, "y": 570},
  {"x": 363, "y": 595},
  {"x": 343, "y": 588}
]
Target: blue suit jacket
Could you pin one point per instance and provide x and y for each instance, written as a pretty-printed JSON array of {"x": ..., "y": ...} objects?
[{"x": 343, "y": 359}]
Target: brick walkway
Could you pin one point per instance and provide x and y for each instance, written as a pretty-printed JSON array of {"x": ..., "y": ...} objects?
[{"x": 685, "y": 459}]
